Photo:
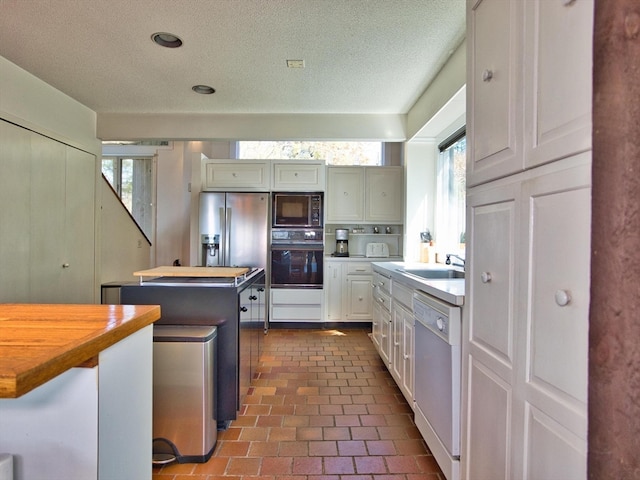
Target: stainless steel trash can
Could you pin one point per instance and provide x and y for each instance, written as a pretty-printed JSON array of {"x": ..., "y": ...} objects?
[{"x": 184, "y": 393}]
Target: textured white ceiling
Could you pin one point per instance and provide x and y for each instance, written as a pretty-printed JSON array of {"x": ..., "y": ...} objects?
[{"x": 361, "y": 56}]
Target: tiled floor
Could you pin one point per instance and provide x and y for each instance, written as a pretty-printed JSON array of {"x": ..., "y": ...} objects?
[{"x": 323, "y": 407}]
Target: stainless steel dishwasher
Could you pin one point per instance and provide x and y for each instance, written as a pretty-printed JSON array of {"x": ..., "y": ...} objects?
[{"x": 184, "y": 423}]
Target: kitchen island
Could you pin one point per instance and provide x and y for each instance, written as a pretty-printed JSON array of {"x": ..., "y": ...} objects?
[
  {"x": 75, "y": 390},
  {"x": 229, "y": 298}
]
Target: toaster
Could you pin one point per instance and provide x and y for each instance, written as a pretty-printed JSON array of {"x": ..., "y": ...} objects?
[{"x": 377, "y": 250}]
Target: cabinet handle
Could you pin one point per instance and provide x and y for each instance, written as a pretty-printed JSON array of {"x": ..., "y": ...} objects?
[
  {"x": 252, "y": 297},
  {"x": 65, "y": 265},
  {"x": 487, "y": 75},
  {"x": 243, "y": 309},
  {"x": 485, "y": 277},
  {"x": 346, "y": 194},
  {"x": 359, "y": 299},
  {"x": 563, "y": 298},
  {"x": 295, "y": 174},
  {"x": 234, "y": 174},
  {"x": 406, "y": 357}
]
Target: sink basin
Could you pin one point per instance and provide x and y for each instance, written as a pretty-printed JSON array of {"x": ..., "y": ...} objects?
[{"x": 433, "y": 273}]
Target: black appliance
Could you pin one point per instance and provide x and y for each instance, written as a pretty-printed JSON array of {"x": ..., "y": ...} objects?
[
  {"x": 297, "y": 209},
  {"x": 296, "y": 258}
]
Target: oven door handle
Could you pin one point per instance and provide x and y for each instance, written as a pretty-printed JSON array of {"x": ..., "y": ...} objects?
[{"x": 302, "y": 247}]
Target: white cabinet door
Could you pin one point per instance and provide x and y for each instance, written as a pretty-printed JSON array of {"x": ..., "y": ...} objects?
[
  {"x": 493, "y": 97},
  {"x": 306, "y": 177},
  {"x": 365, "y": 195},
  {"x": 333, "y": 288},
  {"x": 488, "y": 370},
  {"x": 408, "y": 357},
  {"x": 15, "y": 147},
  {"x": 554, "y": 352},
  {"x": 557, "y": 63},
  {"x": 47, "y": 231},
  {"x": 359, "y": 298},
  {"x": 234, "y": 175},
  {"x": 345, "y": 194},
  {"x": 384, "y": 189},
  {"x": 80, "y": 253},
  {"x": 358, "y": 304}
]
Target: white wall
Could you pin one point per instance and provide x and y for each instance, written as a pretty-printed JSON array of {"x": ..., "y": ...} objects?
[
  {"x": 451, "y": 78},
  {"x": 420, "y": 168},
  {"x": 124, "y": 248}
]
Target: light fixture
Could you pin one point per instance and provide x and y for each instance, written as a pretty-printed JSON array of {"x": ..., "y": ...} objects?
[
  {"x": 168, "y": 40},
  {"x": 203, "y": 89},
  {"x": 295, "y": 63}
]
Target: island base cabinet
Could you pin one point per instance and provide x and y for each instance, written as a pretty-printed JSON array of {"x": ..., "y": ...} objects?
[{"x": 87, "y": 423}]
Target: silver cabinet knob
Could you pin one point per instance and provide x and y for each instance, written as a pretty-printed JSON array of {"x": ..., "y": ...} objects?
[
  {"x": 563, "y": 298},
  {"x": 485, "y": 277},
  {"x": 487, "y": 75},
  {"x": 65, "y": 265}
]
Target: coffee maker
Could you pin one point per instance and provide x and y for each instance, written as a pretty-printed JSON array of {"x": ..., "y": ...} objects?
[{"x": 342, "y": 242}]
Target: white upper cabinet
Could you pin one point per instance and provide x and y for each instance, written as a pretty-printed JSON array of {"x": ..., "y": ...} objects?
[
  {"x": 291, "y": 176},
  {"x": 557, "y": 79},
  {"x": 494, "y": 111},
  {"x": 384, "y": 190},
  {"x": 248, "y": 175},
  {"x": 365, "y": 195},
  {"x": 345, "y": 194}
]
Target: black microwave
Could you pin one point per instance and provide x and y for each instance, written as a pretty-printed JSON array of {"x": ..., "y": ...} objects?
[{"x": 297, "y": 209}]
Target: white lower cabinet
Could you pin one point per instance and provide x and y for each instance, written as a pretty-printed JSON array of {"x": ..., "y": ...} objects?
[
  {"x": 402, "y": 359},
  {"x": 86, "y": 423},
  {"x": 296, "y": 305},
  {"x": 348, "y": 292},
  {"x": 525, "y": 333},
  {"x": 402, "y": 363},
  {"x": 381, "y": 328}
]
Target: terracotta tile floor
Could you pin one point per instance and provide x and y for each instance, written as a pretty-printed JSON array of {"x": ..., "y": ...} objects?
[{"x": 322, "y": 407}]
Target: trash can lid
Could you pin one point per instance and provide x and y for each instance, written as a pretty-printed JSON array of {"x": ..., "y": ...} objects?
[{"x": 183, "y": 333}]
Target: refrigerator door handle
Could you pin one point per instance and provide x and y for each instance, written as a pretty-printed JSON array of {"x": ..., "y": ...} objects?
[
  {"x": 223, "y": 238},
  {"x": 227, "y": 259}
]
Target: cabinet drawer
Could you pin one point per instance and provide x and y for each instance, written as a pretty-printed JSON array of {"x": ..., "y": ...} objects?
[
  {"x": 294, "y": 313},
  {"x": 299, "y": 296},
  {"x": 381, "y": 298},
  {"x": 384, "y": 283},
  {"x": 403, "y": 295},
  {"x": 363, "y": 268}
]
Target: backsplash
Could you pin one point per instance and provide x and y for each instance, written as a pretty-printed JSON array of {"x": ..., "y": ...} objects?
[{"x": 361, "y": 235}]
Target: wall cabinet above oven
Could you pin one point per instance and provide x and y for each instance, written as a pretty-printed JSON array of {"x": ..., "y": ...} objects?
[
  {"x": 293, "y": 176},
  {"x": 263, "y": 175},
  {"x": 365, "y": 195}
]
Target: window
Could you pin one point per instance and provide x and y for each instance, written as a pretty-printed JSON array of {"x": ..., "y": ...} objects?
[
  {"x": 334, "y": 153},
  {"x": 451, "y": 193},
  {"x": 132, "y": 179}
]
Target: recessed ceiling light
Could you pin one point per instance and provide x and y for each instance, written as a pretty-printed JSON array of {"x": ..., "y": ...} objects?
[
  {"x": 203, "y": 89},
  {"x": 168, "y": 40}
]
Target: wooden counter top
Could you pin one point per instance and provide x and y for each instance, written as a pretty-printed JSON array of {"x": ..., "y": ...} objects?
[
  {"x": 39, "y": 342},
  {"x": 230, "y": 272}
]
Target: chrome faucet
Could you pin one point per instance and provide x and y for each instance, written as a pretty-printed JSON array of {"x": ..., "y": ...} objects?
[{"x": 449, "y": 262}]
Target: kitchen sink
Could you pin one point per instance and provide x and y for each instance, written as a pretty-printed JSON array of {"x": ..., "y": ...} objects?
[{"x": 433, "y": 273}]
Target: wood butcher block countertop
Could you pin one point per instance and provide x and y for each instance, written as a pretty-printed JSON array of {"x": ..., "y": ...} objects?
[
  {"x": 39, "y": 342},
  {"x": 217, "y": 272}
]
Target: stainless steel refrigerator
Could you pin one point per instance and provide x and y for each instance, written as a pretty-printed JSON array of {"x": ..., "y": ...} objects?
[{"x": 234, "y": 229}]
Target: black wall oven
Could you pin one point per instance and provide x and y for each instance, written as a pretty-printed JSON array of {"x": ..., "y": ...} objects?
[{"x": 296, "y": 258}]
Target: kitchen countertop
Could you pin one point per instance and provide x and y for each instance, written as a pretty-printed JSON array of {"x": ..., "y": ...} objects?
[
  {"x": 39, "y": 342},
  {"x": 447, "y": 290},
  {"x": 362, "y": 258}
]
